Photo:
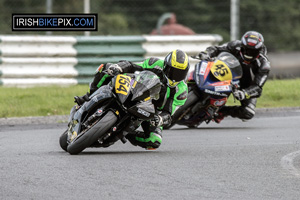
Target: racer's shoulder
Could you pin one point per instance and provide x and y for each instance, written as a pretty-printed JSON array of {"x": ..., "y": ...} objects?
[
  {"x": 234, "y": 45},
  {"x": 151, "y": 63},
  {"x": 154, "y": 61}
]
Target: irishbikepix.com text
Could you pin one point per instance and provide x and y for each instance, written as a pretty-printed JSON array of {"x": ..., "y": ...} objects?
[{"x": 54, "y": 22}]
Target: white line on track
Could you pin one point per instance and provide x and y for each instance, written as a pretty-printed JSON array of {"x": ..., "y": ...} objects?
[{"x": 287, "y": 162}]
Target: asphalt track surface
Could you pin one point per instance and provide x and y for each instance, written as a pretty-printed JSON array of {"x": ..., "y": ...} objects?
[{"x": 255, "y": 160}]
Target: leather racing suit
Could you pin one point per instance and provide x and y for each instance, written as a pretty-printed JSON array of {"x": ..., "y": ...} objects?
[
  {"x": 254, "y": 77},
  {"x": 171, "y": 98}
]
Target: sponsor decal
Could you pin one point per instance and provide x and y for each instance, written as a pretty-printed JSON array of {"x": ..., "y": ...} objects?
[
  {"x": 215, "y": 93},
  {"x": 143, "y": 112},
  {"x": 218, "y": 102},
  {"x": 222, "y": 88},
  {"x": 203, "y": 68},
  {"x": 221, "y": 83}
]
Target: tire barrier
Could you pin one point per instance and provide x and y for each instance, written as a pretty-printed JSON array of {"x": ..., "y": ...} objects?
[{"x": 66, "y": 60}]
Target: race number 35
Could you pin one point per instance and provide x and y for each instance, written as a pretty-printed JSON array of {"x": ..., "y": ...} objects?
[{"x": 221, "y": 71}]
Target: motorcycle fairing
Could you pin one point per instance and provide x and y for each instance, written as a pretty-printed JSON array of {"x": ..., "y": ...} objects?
[
  {"x": 100, "y": 95},
  {"x": 72, "y": 113},
  {"x": 122, "y": 84},
  {"x": 208, "y": 83},
  {"x": 144, "y": 110}
]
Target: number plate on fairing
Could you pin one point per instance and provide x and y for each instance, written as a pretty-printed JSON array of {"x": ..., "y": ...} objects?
[
  {"x": 221, "y": 71},
  {"x": 122, "y": 84}
]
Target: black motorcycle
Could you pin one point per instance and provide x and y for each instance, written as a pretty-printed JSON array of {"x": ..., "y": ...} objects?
[{"x": 112, "y": 111}]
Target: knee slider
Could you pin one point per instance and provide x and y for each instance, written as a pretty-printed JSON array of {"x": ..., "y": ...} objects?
[{"x": 248, "y": 113}]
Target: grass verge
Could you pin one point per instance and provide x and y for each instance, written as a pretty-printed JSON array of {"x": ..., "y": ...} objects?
[
  {"x": 44, "y": 101},
  {"x": 278, "y": 93}
]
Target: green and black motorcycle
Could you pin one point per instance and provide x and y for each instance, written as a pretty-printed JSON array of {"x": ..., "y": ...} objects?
[{"x": 111, "y": 112}]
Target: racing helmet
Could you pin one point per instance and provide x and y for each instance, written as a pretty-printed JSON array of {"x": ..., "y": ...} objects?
[
  {"x": 176, "y": 67},
  {"x": 252, "y": 43}
]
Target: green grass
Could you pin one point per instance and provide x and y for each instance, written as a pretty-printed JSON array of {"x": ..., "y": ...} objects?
[
  {"x": 43, "y": 101},
  {"x": 278, "y": 93},
  {"x": 38, "y": 101}
]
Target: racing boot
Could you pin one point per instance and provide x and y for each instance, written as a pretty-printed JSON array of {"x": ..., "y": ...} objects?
[
  {"x": 81, "y": 99},
  {"x": 148, "y": 141}
]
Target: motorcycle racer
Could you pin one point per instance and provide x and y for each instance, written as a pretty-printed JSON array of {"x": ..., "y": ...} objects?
[
  {"x": 252, "y": 55},
  {"x": 172, "y": 72}
]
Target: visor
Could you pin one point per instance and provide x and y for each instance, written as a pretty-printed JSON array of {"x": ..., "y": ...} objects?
[
  {"x": 175, "y": 74},
  {"x": 250, "y": 53}
]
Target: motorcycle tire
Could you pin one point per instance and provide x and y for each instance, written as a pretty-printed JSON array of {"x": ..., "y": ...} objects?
[
  {"x": 93, "y": 134},
  {"x": 192, "y": 99},
  {"x": 169, "y": 126},
  {"x": 63, "y": 140}
]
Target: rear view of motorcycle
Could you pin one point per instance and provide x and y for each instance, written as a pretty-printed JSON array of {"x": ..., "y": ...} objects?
[
  {"x": 112, "y": 111},
  {"x": 210, "y": 85}
]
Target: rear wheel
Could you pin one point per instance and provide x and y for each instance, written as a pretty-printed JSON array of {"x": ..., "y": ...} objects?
[
  {"x": 169, "y": 126},
  {"x": 191, "y": 99},
  {"x": 98, "y": 130}
]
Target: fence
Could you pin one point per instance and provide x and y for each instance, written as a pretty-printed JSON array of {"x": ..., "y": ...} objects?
[
  {"x": 64, "y": 60},
  {"x": 136, "y": 17}
]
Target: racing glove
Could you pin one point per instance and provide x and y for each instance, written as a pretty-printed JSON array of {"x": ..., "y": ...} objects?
[
  {"x": 156, "y": 121},
  {"x": 240, "y": 95},
  {"x": 114, "y": 70},
  {"x": 81, "y": 99}
]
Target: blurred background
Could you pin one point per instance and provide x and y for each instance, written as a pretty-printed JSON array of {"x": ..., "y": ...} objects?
[
  {"x": 125, "y": 32},
  {"x": 277, "y": 20}
]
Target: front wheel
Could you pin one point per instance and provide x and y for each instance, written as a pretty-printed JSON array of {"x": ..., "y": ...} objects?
[
  {"x": 98, "y": 130},
  {"x": 63, "y": 140}
]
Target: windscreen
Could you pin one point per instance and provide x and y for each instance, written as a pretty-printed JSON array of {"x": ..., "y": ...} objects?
[
  {"x": 147, "y": 85},
  {"x": 233, "y": 64}
]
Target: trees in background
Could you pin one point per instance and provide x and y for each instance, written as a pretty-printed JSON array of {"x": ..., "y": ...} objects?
[{"x": 277, "y": 20}]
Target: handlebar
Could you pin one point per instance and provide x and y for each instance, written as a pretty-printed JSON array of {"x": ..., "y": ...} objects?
[{"x": 197, "y": 57}]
